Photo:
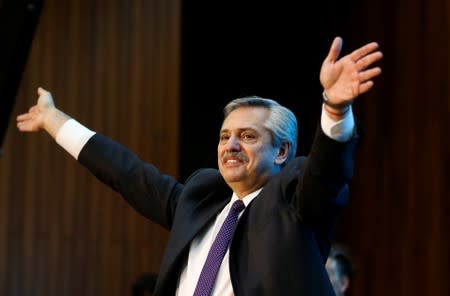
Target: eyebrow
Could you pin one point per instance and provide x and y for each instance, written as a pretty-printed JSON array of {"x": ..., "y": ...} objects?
[{"x": 240, "y": 130}]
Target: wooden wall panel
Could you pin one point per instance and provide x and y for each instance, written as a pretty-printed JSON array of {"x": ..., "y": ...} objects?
[
  {"x": 114, "y": 66},
  {"x": 397, "y": 223}
]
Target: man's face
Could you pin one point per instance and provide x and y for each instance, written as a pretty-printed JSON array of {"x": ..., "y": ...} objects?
[{"x": 246, "y": 155}]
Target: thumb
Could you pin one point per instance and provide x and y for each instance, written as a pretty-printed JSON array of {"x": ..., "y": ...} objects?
[
  {"x": 45, "y": 98},
  {"x": 335, "y": 50},
  {"x": 41, "y": 91}
]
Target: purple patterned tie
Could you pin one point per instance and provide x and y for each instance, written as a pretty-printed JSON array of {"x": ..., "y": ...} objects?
[{"x": 218, "y": 249}]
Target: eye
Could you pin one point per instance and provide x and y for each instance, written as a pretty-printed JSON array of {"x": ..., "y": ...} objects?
[
  {"x": 248, "y": 137},
  {"x": 224, "y": 138}
]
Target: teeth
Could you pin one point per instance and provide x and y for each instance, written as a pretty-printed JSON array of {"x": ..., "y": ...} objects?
[{"x": 232, "y": 161}]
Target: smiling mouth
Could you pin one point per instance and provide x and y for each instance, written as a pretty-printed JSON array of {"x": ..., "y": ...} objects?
[{"x": 233, "y": 159}]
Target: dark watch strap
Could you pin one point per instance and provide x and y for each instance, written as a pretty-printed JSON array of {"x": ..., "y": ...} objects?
[{"x": 327, "y": 102}]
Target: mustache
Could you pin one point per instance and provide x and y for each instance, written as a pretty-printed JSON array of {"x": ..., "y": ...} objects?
[{"x": 239, "y": 155}]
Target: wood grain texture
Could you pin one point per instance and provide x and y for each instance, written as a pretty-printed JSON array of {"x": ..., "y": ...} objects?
[{"x": 114, "y": 66}]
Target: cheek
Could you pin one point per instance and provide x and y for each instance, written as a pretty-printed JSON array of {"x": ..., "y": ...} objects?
[
  {"x": 258, "y": 159},
  {"x": 263, "y": 155}
]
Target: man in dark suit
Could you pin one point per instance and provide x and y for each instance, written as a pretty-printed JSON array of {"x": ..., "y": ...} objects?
[{"x": 288, "y": 206}]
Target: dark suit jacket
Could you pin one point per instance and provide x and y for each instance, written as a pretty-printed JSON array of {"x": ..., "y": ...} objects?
[{"x": 282, "y": 240}]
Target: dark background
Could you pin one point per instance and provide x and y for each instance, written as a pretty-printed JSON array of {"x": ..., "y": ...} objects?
[
  {"x": 237, "y": 48},
  {"x": 18, "y": 24}
]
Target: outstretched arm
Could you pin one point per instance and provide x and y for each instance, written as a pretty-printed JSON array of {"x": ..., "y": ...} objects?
[
  {"x": 151, "y": 193},
  {"x": 42, "y": 116},
  {"x": 346, "y": 78}
]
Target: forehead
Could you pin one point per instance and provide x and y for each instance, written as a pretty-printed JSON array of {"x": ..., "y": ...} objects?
[{"x": 246, "y": 117}]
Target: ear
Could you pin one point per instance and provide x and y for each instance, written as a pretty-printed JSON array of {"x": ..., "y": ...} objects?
[{"x": 283, "y": 153}]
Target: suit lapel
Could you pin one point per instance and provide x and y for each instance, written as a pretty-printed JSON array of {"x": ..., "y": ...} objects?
[
  {"x": 186, "y": 226},
  {"x": 190, "y": 223}
]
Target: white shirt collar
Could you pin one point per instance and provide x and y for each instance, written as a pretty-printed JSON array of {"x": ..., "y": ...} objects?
[{"x": 248, "y": 198}]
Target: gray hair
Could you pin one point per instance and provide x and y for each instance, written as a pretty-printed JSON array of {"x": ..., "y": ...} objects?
[{"x": 282, "y": 122}]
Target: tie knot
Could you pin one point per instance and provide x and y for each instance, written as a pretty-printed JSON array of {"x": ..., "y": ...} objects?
[{"x": 238, "y": 206}]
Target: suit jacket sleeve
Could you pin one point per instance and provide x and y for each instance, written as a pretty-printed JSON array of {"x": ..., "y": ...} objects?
[
  {"x": 151, "y": 193},
  {"x": 322, "y": 187}
]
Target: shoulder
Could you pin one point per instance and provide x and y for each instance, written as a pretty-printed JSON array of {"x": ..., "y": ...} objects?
[
  {"x": 205, "y": 179},
  {"x": 289, "y": 175},
  {"x": 204, "y": 175},
  {"x": 294, "y": 166}
]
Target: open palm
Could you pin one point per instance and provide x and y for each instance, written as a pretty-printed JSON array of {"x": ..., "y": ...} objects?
[
  {"x": 345, "y": 79},
  {"x": 33, "y": 120}
]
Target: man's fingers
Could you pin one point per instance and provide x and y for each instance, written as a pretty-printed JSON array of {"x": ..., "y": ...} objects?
[
  {"x": 24, "y": 126},
  {"x": 364, "y": 87},
  {"x": 369, "y": 59},
  {"x": 21, "y": 117},
  {"x": 25, "y": 116},
  {"x": 369, "y": 74},
  {"x": 363, "y": 51}
]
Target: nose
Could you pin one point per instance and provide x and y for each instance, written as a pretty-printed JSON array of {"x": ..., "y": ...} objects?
[{"x": 233, "y": 144}]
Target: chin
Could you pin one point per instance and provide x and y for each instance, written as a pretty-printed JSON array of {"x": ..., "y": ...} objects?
[{"x": 232, "y": 177}]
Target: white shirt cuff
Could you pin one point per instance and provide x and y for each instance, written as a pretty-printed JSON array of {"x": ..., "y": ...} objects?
[
  {"x": 341, "y": 130},
  {"x": 72, "y": 136}
]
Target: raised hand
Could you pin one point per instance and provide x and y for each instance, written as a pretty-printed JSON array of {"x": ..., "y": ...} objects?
[
  {"x": 33, "y": 120},
  {"x": 346, "y": 78},
  {"x": 42, "y": 116}
]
